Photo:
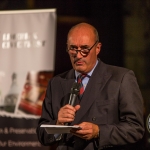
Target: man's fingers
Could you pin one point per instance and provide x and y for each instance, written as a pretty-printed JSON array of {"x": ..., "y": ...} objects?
[
  {"x": 87, "y": 131},
  {"x": 77, "y": 107}
]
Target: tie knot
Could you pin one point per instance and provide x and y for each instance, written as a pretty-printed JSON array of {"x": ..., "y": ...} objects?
[{"x": 81, "y": 77}]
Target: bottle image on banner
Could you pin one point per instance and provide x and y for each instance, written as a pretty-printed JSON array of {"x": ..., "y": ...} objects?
[
  {"x": 12, "y": 96},
  {"x": 34, "y": 92}
]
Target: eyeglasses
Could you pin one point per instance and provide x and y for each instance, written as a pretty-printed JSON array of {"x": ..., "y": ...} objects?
[{"x": 72, "y": 50}]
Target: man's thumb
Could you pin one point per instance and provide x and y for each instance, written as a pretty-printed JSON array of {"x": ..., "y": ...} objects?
[{"x": 77, "y": 107}]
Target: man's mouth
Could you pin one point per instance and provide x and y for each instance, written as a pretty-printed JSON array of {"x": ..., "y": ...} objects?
[{"x": 78, "y": 62}]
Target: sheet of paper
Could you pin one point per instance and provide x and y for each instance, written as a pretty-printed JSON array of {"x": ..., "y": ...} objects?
[{"x": 57, "y": 129}]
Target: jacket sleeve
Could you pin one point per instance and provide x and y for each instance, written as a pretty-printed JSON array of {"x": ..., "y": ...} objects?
[
  {"x": 47, "y": 117},
  {"x": 130, "y": 127}
]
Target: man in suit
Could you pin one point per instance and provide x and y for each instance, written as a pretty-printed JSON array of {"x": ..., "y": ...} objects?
[{"x": 110, "y": 112}]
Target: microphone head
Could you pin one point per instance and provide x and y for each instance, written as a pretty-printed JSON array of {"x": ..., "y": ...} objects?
[{"x": 75, "y": 88}]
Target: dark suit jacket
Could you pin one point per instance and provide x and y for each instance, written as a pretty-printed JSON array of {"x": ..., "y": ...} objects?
[{"x": 112, "y": 100}]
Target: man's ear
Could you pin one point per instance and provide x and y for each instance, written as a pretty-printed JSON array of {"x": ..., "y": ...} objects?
[{"x": 98, "y": 48}]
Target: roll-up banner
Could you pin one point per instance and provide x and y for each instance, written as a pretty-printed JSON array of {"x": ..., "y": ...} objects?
[{"x": 27, "y": 56}]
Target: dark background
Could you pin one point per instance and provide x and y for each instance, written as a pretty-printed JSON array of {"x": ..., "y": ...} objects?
[{"x": 105, "y": 15}]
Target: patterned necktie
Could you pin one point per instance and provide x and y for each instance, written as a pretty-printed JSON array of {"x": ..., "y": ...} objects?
[{"x": 79, "y": 80}]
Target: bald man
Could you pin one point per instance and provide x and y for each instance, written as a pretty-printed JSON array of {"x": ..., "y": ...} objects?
[{"x": 110, "y": 111}]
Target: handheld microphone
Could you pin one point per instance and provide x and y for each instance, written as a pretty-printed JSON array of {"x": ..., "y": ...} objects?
[{"x": 74, "y": 93}]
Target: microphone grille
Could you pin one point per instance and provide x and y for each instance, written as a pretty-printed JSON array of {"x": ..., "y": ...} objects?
[{"x": 75, "y": 88}]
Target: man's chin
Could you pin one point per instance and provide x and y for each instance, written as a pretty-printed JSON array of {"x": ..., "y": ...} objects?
[{"x": 79, "y": 68}]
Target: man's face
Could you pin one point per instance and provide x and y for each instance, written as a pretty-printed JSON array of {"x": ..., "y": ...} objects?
[{"x": 81, "y": 39}]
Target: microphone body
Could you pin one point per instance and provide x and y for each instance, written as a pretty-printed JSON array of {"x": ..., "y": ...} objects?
[
  {"x": 72, "y": 99},
  {"x": 74, "y": 93}
]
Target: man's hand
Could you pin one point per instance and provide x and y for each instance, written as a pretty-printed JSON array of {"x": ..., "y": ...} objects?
[
  {"x": 88, "y": 131},
  {"x": 66, "y": 114}
]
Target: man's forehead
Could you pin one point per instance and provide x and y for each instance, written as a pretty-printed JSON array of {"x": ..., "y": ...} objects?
[
  {"x": 80, "y": 38},
  {"x": 80, "y": 35},
  {"x": 84, "y": 40}
]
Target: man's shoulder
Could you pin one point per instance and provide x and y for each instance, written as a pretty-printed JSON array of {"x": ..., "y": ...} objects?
[
  {"x": 65, "y": 75},
  {"x": 116, "y": 72},
  {"x": 111, "y": 68},
  {"x": 116, "y": 69},
  {"x": 62, "y": 77}
]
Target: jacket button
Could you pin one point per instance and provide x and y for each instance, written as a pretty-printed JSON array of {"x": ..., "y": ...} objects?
[
  {"x": 94, "y": 118},
  {"x": 51, "y": 139}
]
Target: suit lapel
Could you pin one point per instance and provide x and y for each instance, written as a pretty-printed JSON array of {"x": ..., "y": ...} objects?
[
  {"x": 96, "y": 83},
  {"x": 66, "y": 84}
]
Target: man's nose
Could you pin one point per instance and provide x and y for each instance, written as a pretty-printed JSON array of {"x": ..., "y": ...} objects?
[{"x": 78, "y": 53}]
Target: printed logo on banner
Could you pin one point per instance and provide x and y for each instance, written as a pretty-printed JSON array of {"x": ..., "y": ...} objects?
[
  {"x": 148, "y": 123},
  {"x": 21, "y": 40}
]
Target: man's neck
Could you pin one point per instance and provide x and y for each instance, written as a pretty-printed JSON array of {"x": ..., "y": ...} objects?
[{"x": 89, "y": 73}]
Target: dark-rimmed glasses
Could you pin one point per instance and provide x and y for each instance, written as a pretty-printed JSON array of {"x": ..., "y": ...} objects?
[{"x": 73, "y": 51}]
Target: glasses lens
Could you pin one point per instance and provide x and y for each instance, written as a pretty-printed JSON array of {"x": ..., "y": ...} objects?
[{"x": 84, "y": 52}]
